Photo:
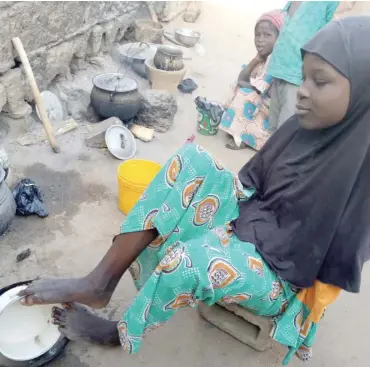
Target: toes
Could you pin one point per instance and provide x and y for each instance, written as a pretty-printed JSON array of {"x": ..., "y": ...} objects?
[
  {"x": 59, "y": 323},
  {"x": 31, "y": 300},
  {"x": 57, "y": 311},
  {"x": 58, "y": 316},
  {"x": 59, "y": 320},
  {"x": 26, "y": 291}
]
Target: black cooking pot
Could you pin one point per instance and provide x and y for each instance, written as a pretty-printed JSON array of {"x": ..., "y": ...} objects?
[
  {"x": 47, "y": 357},
  {"x": 115, "y": 95}
]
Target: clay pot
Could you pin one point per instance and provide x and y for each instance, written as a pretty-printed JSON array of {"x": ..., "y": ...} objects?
[
  {"x": 164, "y": 80},
  {"x": 115, "y": 95},
  {"x": 169, "y": 58},
  {"x": 7, "y": 204}
]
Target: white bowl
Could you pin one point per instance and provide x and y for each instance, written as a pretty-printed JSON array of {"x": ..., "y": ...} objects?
[
  {"x": 187, "y": 36},
  {"x": 25, "y": 332},
  {"x": 120, "y": 142}
]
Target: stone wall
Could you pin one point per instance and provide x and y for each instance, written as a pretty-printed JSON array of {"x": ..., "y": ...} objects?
[
  {"x": 168, "y": 10},
  {"x": 59, "y": 38}
]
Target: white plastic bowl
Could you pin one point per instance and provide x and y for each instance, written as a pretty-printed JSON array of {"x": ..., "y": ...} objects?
[
  {"x": 120, "y": 142},
  {"x": 25, "y": 332}
]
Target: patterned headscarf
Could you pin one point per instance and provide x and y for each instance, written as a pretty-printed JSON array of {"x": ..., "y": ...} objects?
[{"x": 275, "y": 17}]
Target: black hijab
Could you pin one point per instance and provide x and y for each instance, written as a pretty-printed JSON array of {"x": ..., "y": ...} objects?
[{"x": 310, "y": 216}]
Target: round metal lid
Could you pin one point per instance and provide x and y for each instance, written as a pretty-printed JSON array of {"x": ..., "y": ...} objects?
[
  {"x": 115, "y": 82},
  {"x": 53, "y": 107},
  {"x": 171, "y": 50},
  {"x": 138, "y": 50}
]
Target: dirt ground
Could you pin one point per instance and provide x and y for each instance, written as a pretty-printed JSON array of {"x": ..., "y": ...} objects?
[{"x": 80, "y": 191}]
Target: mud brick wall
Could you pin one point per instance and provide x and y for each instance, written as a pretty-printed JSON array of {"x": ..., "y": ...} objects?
[{"x": 59, "y": 38}]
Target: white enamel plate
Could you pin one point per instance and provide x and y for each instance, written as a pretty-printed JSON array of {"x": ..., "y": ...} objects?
[{"x": 25, "y": 332}]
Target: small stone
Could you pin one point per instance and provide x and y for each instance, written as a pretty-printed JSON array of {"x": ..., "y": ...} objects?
[
  {"x": 191, "y": 16},
  {"x": 158, "y": 110},
  {"x": 97, "y": 141},
  {"x": 23, "y": 255},
  {"x": 96, "y": 136},
  {"x": 142, "y": 133},
  {"x": 78, "y": 104},
  {"x": 16, "y": 107}
]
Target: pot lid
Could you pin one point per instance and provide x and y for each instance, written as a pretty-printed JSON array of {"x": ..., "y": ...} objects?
[
  {"x": 53, "y": 107},
  {"x": 115, "y": 82},
  {"x": 138, "y": 50},
  {"x": 171, "y": 50}
]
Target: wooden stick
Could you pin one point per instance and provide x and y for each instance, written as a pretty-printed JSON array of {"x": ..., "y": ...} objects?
[
  {"x": 152, "y": 13},
  {"x": 36, "y": 93}
]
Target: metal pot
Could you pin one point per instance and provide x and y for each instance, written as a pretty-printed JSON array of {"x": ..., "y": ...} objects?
[
  {"x": 187, "y": 36},
  {"x": 115, "y": 95},
  {"x": 7, "y": 204},
  {"x": 169, "y": 58},
  {"x": 43, "y": 360},
  {"x": 135, "y": 54}
]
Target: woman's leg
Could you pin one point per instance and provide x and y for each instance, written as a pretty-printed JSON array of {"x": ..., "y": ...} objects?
[
  {"x": 190, "y": 164},
  {"x": 95, "y": 289},
  {"x": 214, "y": 268},
  {"x": 202, "y": 196}
]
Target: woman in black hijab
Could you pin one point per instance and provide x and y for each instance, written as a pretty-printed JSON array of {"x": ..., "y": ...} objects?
[{"x": 307, "y": 216}]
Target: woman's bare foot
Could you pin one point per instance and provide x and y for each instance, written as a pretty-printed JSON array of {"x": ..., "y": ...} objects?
[
  {"x": 78, "y": 323},
  {"x": 94, "y": 290},
  {"x": 82, "y": 290},
  {"x": 232, "y": 145}
]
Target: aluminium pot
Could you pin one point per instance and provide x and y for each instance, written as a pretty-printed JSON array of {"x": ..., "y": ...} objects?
[
  {"x": 115, "y": 95},
  {"x": 169, "y": 58},
  {"x": 7, "y": 203}
]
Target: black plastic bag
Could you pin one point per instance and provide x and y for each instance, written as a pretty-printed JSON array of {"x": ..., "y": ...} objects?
[
  {"x": 28, "y": 199},
  {"x": 188, "y": 86},
  {"x": 215, "y": 110}
]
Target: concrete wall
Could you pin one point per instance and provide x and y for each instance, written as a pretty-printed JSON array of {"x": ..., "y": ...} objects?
[
  {"x": 348, "y": 8},
  {"x": 59, "y": 38}
]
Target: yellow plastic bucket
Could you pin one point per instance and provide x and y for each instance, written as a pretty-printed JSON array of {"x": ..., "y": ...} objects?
[{"x": 134, "y": 176}]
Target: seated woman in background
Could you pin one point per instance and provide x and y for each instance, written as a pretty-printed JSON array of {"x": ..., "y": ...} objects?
[
  {"x": 246, "y": 119},
  {"x": 280, "y": 240}
]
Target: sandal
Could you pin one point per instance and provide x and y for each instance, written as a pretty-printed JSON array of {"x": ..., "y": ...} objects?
[{"x": 232, "y": 145}]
